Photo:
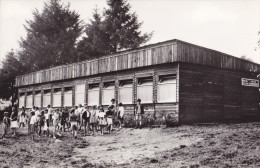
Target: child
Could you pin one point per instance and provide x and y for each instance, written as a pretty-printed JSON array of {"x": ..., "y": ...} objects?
[
  {"x": 46, "y": 123},
  {"x": 40, "y": 122},
  {"x": 121, "y": 112},
  {"x": 101, "y": 120},
  {"x": 13, "y": 119},
  {"x": 5, "y": 124},
  {"x": 56, "y": 122},
  {"x": 22, "y": 118},
  {"x": 73, "y": 118},
  {"x": 109, "y": 116},
  {"x": 63, "y": 119},
  {"x": 93, "y": 119},
  {"x": 85, "y": 119},
  {"x": 33, "y": 124}
]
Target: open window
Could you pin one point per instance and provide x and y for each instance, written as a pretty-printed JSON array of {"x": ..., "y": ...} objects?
[
  {"x": 125, "y": 91},
  {"x": 108, "y": 92},
  {"x": 145, "y": 89},
  {"x": 166, "y": 91},
  {"x": 29, "y": 100},
  {"x": 46, "y": 97},
  {"x": 21, "y": 100},
  {"x": 79, "y": 94},
  {"x": 93, "y": 94},
  {"x": 37, "y": 98},
  {"x": 68, "y": 96},
  {"x": 57, "y": 97}
]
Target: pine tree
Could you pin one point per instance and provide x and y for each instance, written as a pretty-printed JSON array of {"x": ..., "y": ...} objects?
[
  {"x": 118, "y": 30},
  {"x": 123, "y": 27},
  {"x": 95, "y": 42},
  {"x": 51, "y": 37},
  {"x": 11, "y": 67}
]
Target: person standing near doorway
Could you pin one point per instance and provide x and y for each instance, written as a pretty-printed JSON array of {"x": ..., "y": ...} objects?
[{"x": 138, "y": 114}]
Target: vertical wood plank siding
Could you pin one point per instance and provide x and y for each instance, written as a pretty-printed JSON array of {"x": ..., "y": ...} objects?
[{"x": 167, "y": 52}]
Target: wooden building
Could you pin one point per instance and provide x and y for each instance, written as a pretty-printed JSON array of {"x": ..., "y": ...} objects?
[{"x": 192, "y": 83}]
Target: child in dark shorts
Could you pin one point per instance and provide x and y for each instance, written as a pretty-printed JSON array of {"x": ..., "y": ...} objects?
[{"x": 73, "y": 118}]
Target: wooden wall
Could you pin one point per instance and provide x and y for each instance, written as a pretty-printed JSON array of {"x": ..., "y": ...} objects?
[
  {"x": 154, "y": 72},
  {"x": 160, "y": 53},
  {"x": 212, "y": 94}
]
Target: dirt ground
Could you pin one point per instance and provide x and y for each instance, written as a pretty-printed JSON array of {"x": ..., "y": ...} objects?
[{"x": 191, "y": 146}]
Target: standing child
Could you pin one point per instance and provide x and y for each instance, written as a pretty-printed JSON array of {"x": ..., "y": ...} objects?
[
  {"x": 40, "y": 122},
  {"x": 109, "y": 116},
  {"x": 13, "y": 119},
  {"x": 121, "y": 112},
  {"x": 22, "y": 117},
  {"x": 46, "y": 124},
  {"x": 56, "y": 122},
  {"x": 5, "y": 124},
  {"x": 33, "y": 124},
  {"x": 93, "y": 121},
  {"x": 63, "y": 119},
  {"x": 101, "y": 120},
  {"x": 73, "y": 118}
]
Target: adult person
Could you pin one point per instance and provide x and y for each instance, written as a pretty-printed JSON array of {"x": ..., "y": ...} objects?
[
  {"x": 121, "y": 113},
  {"x": 22, "y": 117},
  {"x": 138, "y": 114},
  {"x": 13, "y": 119}
]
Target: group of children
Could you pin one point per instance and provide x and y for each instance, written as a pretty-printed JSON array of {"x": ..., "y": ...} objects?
[{"x": 39, "y": 122}]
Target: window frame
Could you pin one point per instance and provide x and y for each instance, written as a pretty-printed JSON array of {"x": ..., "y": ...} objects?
[
  {"x": 106, "y": 88},
  {"x": 167, "y": 83},
  {"x": 144, "y": 82},
  {"x": 93, "y": 87},
  {"x": 66, "y": 89},
  {"x": 123, "y": 84},
  {"x": 55, "y": 90}
]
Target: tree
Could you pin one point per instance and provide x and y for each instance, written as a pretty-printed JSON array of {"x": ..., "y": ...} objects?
[
  {"x": 95, "y": 42},
  {"x": 246, "y": 58},
  {"x": 123, "y": 27},
  {"x": 51, "y": 37},
  {"x": 11, "y": 67},
  {"x": 117, "y": 30}
]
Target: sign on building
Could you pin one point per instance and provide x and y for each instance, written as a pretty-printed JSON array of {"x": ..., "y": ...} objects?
[{"x": 249, "y": 82}]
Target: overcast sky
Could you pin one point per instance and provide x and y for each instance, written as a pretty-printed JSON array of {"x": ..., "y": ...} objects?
[{"x": 229, "y": 26}]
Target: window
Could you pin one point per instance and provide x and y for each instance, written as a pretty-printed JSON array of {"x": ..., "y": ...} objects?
[
  {"x": 46, "y": 98},
  {"x": 37, "y": 99},
  {"x": 108, "y": 93},
  {"x": 57, "y": 97},
  {"x": 145, "y": 89},
  {"x": 80, "y": 94},
  {"x": 125, "y": 91},
  {"x": 166, "y": 91},
  {"x": 93, "y": 94},
  {"x": 29, "y": 100},
  {"x": 21, "y": 100},
  {"x": 68, "y": 96}
]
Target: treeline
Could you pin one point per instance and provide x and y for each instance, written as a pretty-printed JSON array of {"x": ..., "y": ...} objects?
[{"x": 57, "y": 36}]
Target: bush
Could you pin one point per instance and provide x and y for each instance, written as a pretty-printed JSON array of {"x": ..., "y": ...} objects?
[{"x": 150, "y": 120}]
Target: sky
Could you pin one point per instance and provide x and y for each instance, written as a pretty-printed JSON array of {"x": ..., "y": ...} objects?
[{"x": 229, "y": 26}]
